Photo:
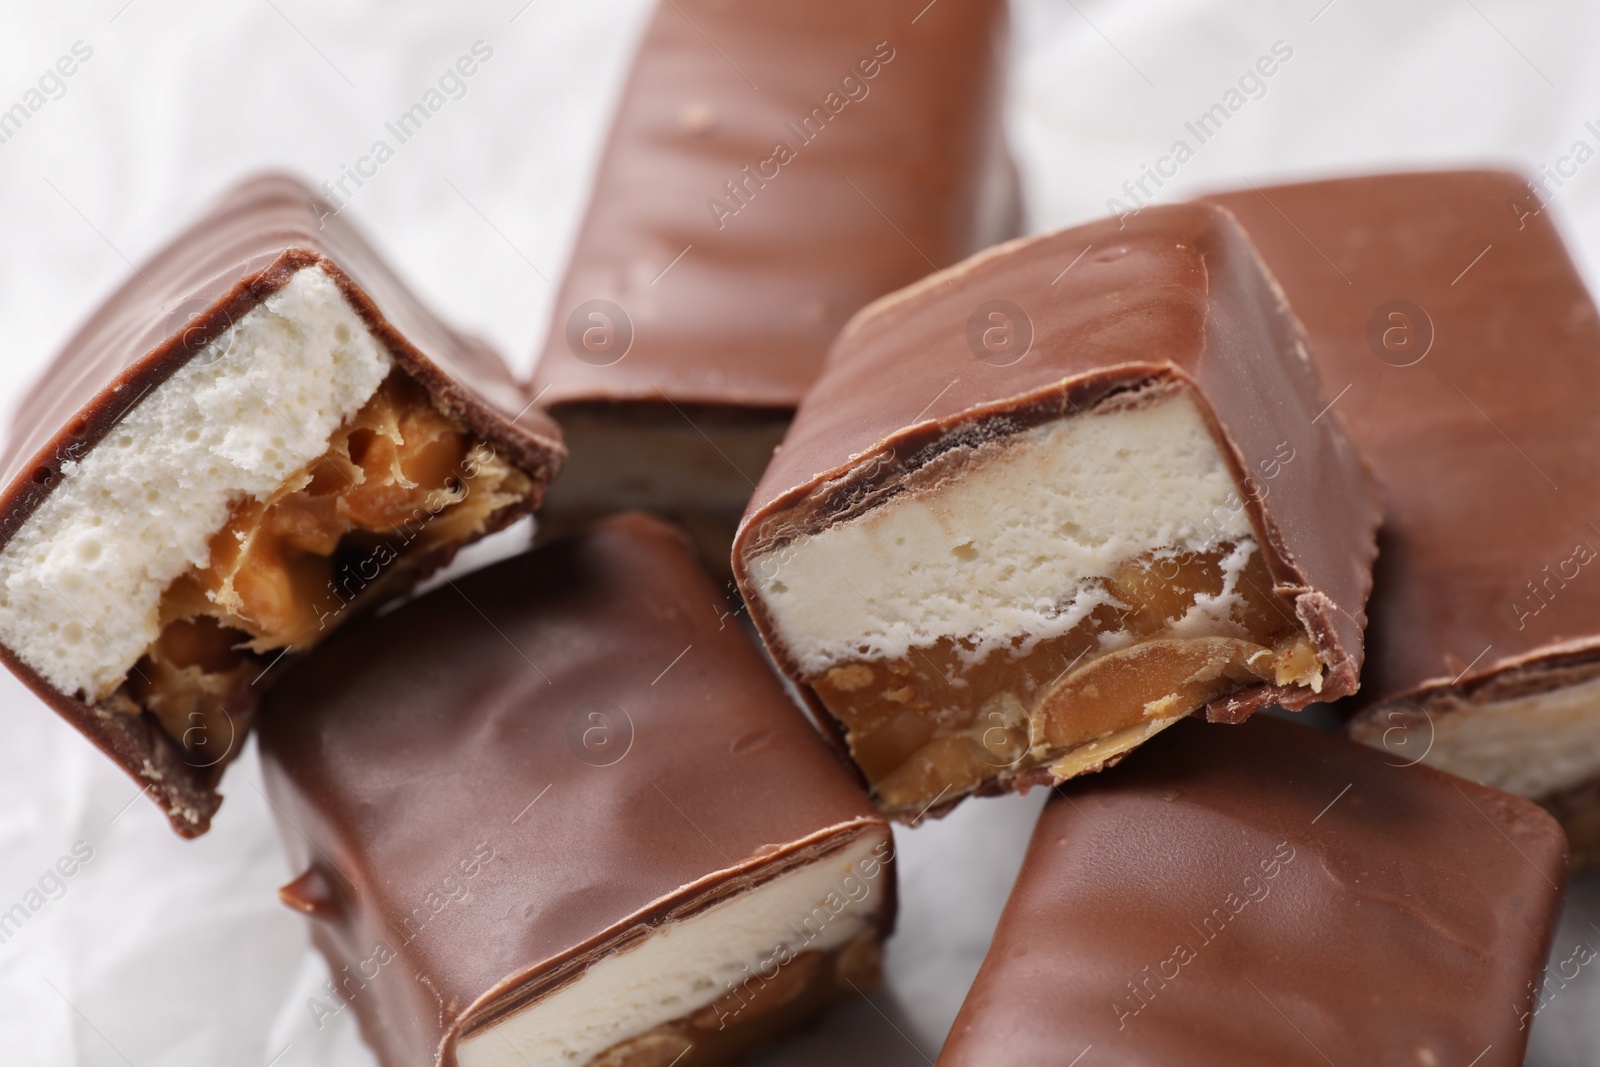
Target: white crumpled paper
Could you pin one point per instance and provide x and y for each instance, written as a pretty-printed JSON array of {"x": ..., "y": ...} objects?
[{"x": 158, "y": 952}]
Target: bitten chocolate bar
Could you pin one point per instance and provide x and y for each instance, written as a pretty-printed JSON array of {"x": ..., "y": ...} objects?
[
  {"x": 1446, "y": 313},
  {"x": 259, "y": 434},
  {"x": 771, "y": 169},
  {"x": 1270, "y": 894},
  {"x": 1046, "y": 503},
  {"x": 560, "y": 813}
]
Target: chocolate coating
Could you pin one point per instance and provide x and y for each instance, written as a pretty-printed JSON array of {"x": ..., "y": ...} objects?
[
  {"x": 1269, "y": 894},
  {"x": 1175, "y": 296},
  {"x": 1479, "y": 433},
  {"x": 890, "y": 182},
  {"x": 187, "y": 294},
  {"x": 405, "y": 741}
]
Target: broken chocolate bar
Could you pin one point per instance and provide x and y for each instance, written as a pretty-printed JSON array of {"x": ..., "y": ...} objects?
[
  {"x": 1046, "y": 503},
  {"x": 257, "y": 436},
  {"x": 1270, "y": 894},
  {"x": 562, "y": 813},
  {"x": 1449, "y": 319},
  {"x": 772, "y": 168}
]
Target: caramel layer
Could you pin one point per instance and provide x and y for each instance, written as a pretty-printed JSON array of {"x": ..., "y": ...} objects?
[
  {"x": 756, "y": 1012},
  {"x": 399, "y": 480},
  {"x": 939, "y": 722}
]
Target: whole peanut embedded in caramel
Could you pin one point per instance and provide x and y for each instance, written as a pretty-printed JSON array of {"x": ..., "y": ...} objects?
[
  {"x": 937, "y": 723},
  {"x": 400, "y": 479}
]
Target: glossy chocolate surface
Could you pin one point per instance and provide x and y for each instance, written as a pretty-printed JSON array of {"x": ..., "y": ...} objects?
[
  {"x": 187, "y": 294},
  {"x": 1449, "y": 309},
  {"x": 772, "y": 168},
  {"x": 585, "y": 712},
  {"x": 1269, "y": 894},
  {"x": 1176, "y": 296}
]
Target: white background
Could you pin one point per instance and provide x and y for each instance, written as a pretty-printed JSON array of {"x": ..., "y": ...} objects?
[{"x": 170, "y": 953}]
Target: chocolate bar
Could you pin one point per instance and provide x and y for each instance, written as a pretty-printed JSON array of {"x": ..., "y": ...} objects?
[
  {"x": 1448, "y": 316},
  {"x": 1048, "y": 502},
  {"x": 1270, "y": 894},
  {"x": 771, "y": 169},
  {"x": 259, "y": 435},
  {"x": 564, "y": 813}
]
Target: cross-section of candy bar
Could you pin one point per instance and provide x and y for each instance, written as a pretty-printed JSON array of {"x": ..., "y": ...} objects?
[
  {"x": 772, "y": 168},
  {"x": 1270, "y": 894},
  {"x": 563, "y": 813},
  {"x": 1448, "y": 316},
  {"x": 1044, "y": 504},
  {"x": 260, "y": 434}
]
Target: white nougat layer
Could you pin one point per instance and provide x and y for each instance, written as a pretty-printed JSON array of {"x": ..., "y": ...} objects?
[
  {"x": 683, "y": 966},
  {"x": 1532, "y": 746},
  {"x": 1008, "y": 547},
  {"x": 81, "y": 581}
]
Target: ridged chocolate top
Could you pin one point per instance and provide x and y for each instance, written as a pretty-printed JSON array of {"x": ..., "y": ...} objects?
[
  {"x": 1449, "y": 308},
  {"x": 863, "y": 144},
  {"x": 207, "y": 278},
  {"x": 1269, "y": 894},
  {"x": 585, "y": 712},
  {"x": 1176, "y": 295}
]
